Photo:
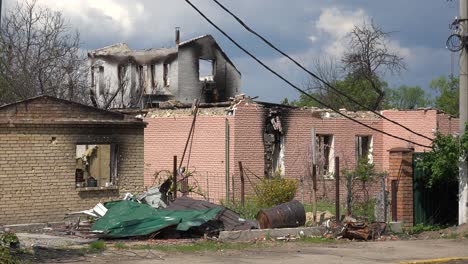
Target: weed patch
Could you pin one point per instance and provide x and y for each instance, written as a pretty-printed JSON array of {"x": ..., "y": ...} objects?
[{"x": 96, "y": 246}]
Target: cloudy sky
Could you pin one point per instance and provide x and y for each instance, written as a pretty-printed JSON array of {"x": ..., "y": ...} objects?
[{"x": 306, "y": 29}]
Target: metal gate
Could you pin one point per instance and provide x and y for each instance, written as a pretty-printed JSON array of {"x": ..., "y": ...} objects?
[{"x": 437, "y": 205}]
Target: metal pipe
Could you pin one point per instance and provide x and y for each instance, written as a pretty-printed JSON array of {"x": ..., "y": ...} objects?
[
  {"x": 241, "y": 173},
  {"x": 337, "y": 189}
]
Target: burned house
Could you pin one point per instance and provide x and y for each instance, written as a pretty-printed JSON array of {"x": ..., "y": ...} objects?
[
  {"x": 59, "y": 156},
  {"x": 271, "y": 139},
  {"x": 196, "y": 68}
]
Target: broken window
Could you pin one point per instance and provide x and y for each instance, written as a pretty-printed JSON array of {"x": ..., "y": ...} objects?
[
  {"x": 364, "y": 148},
  {"x": 101, "y": 84},
  {"x": 326, "y": 155},
  {"x": 206, "y": 69},
  {"x": 96, "y": 165},
  {"x": 166, "y": 71}
]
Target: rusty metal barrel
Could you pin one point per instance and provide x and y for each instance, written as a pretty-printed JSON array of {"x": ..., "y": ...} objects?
[{"x": 290, "y": 214}]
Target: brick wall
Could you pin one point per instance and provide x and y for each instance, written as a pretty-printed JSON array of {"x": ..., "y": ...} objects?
[
  {"x": 299, "y": 124},
  {"x": 401, "y": 171},
  {"x": 167, "y": 136},
  {"x": 447, "y": 124},
  {"x": 421, "y": 121},
  {"x": 37, "y": 173},
  {"x": 249, "y": 126},
  {"x": 47, "y": 108},
  {"x": 38, "y": 157}
]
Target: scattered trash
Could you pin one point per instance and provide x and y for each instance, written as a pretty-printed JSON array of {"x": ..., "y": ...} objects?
[
  {"x": 154, "y": 198},
  {"x": 363, "y": 231},
  {"x": 321, "y": 217},
  {"x": 98, "y": 211},
  {"x": 290, "y": 214}
]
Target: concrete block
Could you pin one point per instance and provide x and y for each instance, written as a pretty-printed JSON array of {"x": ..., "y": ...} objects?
[
  {"x": 396, "y": 227},
  {"x": 256, "y": 234}
]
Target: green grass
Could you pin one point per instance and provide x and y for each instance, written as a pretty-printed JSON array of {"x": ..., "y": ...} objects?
[
  {"x": 120, "y": 245},
  {"x": 200, "y": 247},
  {"x": 419, "y": 228},
  {"x": 96, "y": 246}
]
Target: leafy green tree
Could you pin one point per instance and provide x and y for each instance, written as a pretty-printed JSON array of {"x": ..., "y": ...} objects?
[
  {"x": 406, "y": 97},
  {"x": 448, "y": 94},
  {"x": 442, "y": 161},
  {"x": 358, "y": 89}
]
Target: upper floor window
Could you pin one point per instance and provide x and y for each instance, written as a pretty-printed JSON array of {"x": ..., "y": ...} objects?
[
  {"x": 166, "y": 74},
  {"x": 206, "y": 70},
  {"x": 364, "y": 148}
]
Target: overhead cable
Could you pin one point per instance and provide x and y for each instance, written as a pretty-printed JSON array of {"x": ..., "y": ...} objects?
[
  {"x": 243, "y": 24},
  {"x": 293, "y": 85}
]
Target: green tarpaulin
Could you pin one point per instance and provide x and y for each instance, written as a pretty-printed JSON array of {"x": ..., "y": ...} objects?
[{"x": 128, "y": 218}]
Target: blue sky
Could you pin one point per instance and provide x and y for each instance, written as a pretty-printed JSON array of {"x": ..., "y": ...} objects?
[{"x": 306, "y": 29}]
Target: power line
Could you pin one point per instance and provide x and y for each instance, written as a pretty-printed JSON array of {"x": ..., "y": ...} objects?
[
  {"x": 293, "y": 85},
  {"x": 313, "y": 74}
]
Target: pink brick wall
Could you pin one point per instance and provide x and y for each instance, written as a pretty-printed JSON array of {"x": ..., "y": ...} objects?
[
  {"x": 447, "y": 124},
  {"x": 423, "y": 122},
  {"x": 166, "y": 137},
  {"x": 298, "y": 143},
  {"x": 249, "y": 125}
]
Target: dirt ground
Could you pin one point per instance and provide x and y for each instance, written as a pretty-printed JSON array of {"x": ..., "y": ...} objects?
[{"x": 290, "y": 252}]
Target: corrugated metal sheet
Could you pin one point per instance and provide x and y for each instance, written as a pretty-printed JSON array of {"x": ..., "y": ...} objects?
[{"x": 230, "y": 219}]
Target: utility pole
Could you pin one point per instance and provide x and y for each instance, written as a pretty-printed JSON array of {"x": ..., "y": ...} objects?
[{"x": 463, "y": 191}]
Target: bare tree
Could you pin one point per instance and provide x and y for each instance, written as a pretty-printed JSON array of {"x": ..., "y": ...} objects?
[
  {"x": 40, "y": 55},
  {"x": 369, "y": 57}
]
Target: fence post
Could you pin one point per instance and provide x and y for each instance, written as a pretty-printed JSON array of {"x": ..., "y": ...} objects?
[
  {"x": 241, "y": 173},
  {"x": 337, "y": 189},
  {"x": 174, "y": 175}
]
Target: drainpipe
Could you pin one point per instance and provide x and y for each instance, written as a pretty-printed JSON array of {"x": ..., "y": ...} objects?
[{"x": 227, "y": 159}]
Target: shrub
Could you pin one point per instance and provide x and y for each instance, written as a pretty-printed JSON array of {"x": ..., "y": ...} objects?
[
  {"x": 8, "y": 241},
  {"x": 275, "y": 191}
]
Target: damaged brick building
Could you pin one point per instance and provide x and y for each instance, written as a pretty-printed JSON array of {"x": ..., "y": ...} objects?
[
  {"x": 275, "y": 139},
  {"x": 59, "y": 156}
]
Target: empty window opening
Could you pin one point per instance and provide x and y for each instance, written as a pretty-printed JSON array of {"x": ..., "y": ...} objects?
[
  {"x": 153, "y": 75},
  {"x": 93, "y": 81},
  {"x": 364, "y": 147},
  {"x": 166, "y": 71},
  {"x": 206, "y": 69},
  {"x": 122, "y": 74},
  {"x": 96, "y": 165},
  {"x": 141, "y": 80},
  {"x": 326, "y": 155},
  {"x": 101, "y": 80}
]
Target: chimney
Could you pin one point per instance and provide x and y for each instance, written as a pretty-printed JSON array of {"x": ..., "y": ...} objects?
[{"x": 177, "y": 36}]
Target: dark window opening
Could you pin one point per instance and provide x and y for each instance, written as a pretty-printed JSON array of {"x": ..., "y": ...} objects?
[
  {"x": 93, "y": 81},
  {"x": 326, "y": 154},
  {"x": 96, "y": 165},
  {"x": 101, "y": 83},
  {"x": 364, "y": 148},
  {"x": 153, "y": 73}
]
